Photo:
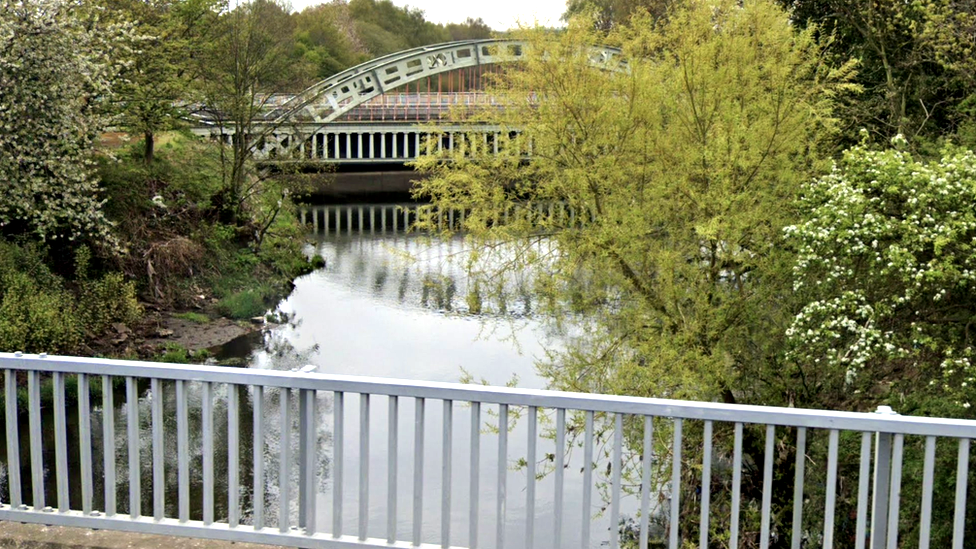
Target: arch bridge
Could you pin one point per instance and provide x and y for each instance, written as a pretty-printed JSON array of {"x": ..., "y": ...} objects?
[{"x": 315, "y": 126}]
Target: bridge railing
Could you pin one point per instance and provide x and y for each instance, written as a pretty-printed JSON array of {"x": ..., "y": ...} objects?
[{"x": 641, "y": 440}]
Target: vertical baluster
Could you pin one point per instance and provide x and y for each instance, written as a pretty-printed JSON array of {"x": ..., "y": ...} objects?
[
  {"x": 559, "y": 473},
  {"x": 675, "y": 484},
  {"x": 207, "y": 418},
  {"x": 325, "y": 221},
  {"x": 159, "y": 478},
  {"x": 34, "y": 423},
  {"x": 13, "y": 438},
  {"x": 363, "y": 465},
  {"x": 962, "y": 481},
  {"x": 530, "y": 479},
  {"x": 418, "y": 470},
  {"x": 882, "y": 472},
  {"x": 310, "y": 461},
  {"x": 447, "y": 447},
  {"x": 862, "y": 492},
  {"x": 800, "y": 468},
  {"x": 587, "y": 480},
  {"x": 894, "y": 497},
  {"x": 736, "y": 486},
  {"x": 233, "y": 457},
  {"x": 391, "y": 470},
  {"x": 474, "y": 491},
  {"x": 108, "y": 443},
  {"x": 84, "y": 438},
  {"x": 646, "y": 457},
  {"x": 928, "y": 475},
  {"x": 706, "y": 486},
  {"x": 284, "y": 475},
  {"x": 502, "y": 473},
  {"x": 258, "y": 448},
  {"x": 60, "y": 443},
  {"x": 618, "y": 443},
  {"x": 767, "y": 497},
  {"x": 132, "y": 427},
  {"x": 183, "y": 450},
  {"x": 337, "y": 441},
  {"x": 831, "y": 498}
]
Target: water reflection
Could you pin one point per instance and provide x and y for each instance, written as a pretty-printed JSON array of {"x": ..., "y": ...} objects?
[
  {"x": 402, "y": 306},
  {"x": 385, "y": 305}
]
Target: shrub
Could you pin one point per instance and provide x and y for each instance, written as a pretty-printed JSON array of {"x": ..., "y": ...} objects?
[
  {"x": 245, "y": 304},
  {"x": 37, "y": 319},
  {"x": 108, "y": 300}
]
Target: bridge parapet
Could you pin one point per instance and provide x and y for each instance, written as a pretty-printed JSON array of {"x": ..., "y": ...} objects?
[{"x": 257, "y": 403}]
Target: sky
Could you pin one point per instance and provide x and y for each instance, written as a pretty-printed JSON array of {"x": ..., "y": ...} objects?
[{"x": 498, "y": 14}]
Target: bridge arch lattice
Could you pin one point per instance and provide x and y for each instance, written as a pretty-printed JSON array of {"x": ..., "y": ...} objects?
[{"x": 329, "y": 99}]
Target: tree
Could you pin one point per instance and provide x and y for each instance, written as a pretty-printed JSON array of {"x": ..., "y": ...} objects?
[
  {"x": 157, "y": 82},
  {"x": 57, "y": 66},
  {"x": 684, "y": 161},
  {"x": 910, "y": 57},
  {"x": 669, "y": 171},
  {"x": 471, "y": 29},
  {"x": 887, "y": 273},
  {"x": 325, "y": 38},
  {"x": 241, "y": 71},
  {"x": 608, "y": 14},
  {"x": 886, "y": 261}
]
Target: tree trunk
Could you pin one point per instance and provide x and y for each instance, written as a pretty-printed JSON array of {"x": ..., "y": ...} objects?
[{"x": 150, "y": 139}]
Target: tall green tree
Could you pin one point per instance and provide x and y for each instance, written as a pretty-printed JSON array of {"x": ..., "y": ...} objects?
[
  {"x": 157, "y": 83},
  {"x": 685, "y": 159},
  {"x": 57, "y": 68},
  {"x": 242, "y": 69},
  {"x": 910, "y": 54},
  {"x": 677, "y": 163}
]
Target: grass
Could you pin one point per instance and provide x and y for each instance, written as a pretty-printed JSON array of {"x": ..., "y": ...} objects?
[
  {"x": 243, "y": 305},
  {"x": 198, "y": 318}
]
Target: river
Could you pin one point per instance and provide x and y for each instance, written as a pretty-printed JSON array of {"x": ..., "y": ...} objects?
[{"x": 386, "y": 304}]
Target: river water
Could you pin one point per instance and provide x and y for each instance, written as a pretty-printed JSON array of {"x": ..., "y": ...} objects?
[{"x": 387, "y": 304}]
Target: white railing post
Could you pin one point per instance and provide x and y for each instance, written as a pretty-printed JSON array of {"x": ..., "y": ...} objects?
[
  {"x": 882, "y": 483},
  {"x": 306, "y": 457}
]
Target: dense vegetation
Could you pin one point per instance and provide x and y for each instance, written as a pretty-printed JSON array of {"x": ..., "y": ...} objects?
[
  {"x": 726, "y": 247},
  {"x": 91, "y": 236}
]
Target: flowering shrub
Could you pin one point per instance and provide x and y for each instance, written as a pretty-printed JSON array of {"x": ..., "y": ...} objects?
[
  {"x": 887, "y": 264},
  {"x": 56, "y": 71}
]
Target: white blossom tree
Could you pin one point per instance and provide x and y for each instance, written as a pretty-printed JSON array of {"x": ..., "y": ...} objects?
[
  {"x": 56, "y": 73},
  {"x": 887, "y": 263}
]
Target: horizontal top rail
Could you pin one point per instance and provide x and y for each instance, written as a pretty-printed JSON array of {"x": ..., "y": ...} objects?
[{"x": 714, "y": 411}]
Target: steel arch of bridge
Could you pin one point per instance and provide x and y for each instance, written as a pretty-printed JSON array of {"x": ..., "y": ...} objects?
[{"x": 329, "y": 99}]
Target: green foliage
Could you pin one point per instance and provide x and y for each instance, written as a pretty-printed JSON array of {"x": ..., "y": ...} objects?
[
  {"x": 53, "y": 61},
  {"x": 916, "y": 62},
  {"x": 106, "y": 301},
  {"x": 175, "y": 353},
  {"x": 243, "y": 305},
  {"x": 191, "y": 316},
  {"x": 40, "y": 313},
  {"x": 678, "y": 169},
  {"x": 886, "y": 257}
]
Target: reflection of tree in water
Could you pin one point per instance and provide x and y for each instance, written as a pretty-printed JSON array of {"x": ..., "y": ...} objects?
[{"x": 442, "y": 276}]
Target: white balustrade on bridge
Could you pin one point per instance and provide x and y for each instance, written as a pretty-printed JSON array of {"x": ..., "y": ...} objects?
[{"x": 648, "y": 425}]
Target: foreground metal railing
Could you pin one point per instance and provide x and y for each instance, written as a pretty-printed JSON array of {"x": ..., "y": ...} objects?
[{"x": 291, "y": 435}]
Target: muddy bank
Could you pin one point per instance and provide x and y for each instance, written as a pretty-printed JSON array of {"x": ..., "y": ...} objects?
[{"x": 162, "y": 330}]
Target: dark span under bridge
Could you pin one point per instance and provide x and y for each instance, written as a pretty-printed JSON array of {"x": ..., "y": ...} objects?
[{"x": 325, "y": 122}]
